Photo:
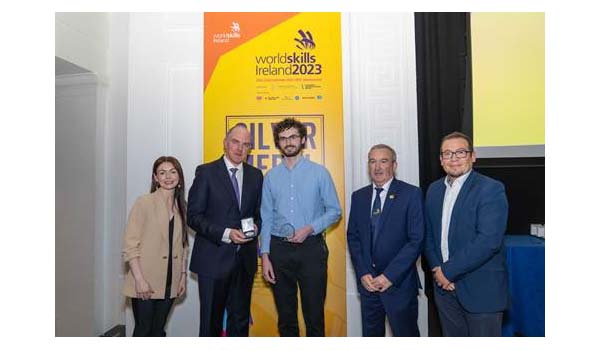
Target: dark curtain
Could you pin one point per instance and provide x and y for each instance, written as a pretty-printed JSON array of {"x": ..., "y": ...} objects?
[
  {"x": 443, "y": 85},
  {"x": 444, "y": 98}
]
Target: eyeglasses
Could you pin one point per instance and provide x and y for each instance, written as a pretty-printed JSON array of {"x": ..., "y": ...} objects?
[
  {"x": 292, "y": 138},
  {"x": 460, "y": 154}
]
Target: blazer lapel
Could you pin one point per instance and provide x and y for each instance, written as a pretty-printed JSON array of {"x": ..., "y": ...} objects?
[
  {"x": 162, "y": 214},
  {"x": 246, "y": 188},
  {"x": 460, "y": 201},
  {"x": 390, "y": 199},
  {"x": 367, "y": 199},
  {"x": 177, "y": 225},
  {"x": 438, "y": 208}
]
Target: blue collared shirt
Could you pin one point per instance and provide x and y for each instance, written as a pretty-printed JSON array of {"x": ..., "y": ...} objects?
[{"x": 302, "y": 195}]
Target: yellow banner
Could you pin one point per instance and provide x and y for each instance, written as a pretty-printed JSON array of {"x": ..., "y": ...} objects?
[{"x": 259, "y": 69}]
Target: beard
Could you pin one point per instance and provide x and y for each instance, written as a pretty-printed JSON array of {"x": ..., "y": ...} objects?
[
  {"x": 292, "y": 151},
  {"x": 458, "y": 171}
]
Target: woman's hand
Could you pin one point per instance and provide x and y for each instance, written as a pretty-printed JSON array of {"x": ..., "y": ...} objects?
[
  {"x": 143, "y": 289},
  {"x": 182, "y": 284}
]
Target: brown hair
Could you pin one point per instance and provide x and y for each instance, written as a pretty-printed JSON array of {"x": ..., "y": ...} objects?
[
  {"x": 179, "y": 192},
  {"x": 285, "y": 124},
  {"x": 458, "y": 135}
]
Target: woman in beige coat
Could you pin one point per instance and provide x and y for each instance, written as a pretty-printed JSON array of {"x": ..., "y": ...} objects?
[{"x": 155, "y": 247}]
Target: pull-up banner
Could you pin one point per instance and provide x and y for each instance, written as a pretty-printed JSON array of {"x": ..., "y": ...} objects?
[{"x": 260, "y": 68}]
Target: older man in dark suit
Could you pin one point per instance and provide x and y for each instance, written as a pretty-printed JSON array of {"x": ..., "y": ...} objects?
[
  {"x": 224, "y": 192},
  {"x": 385, "y": 237}
]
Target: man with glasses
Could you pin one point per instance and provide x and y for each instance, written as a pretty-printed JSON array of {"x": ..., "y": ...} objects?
[
  {"x": 225, "y": 192},
  {"x": 299, "y": 202},
  {"x": 466, "y": 215}
]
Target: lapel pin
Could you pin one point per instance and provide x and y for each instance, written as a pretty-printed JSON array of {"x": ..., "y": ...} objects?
[{"x": 391, "y": 196}]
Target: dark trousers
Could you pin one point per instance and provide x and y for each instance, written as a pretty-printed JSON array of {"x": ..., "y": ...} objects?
[
  {"x": 150, "y": 316},
  {"x": 300, "y": 265},
  {"x": 457, "y": 322},
  {"x": 233, "y": 294},
  {"x": 400, "y": 308}
]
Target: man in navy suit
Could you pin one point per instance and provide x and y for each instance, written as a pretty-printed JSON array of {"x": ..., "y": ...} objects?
[
  {"x": 466, "y": 215},
  {"x": 224, "y": 192},
  {"x": 385, "y": 236}
]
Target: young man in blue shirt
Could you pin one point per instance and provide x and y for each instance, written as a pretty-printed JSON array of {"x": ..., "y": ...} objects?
[{"x": 299, "y": 202}]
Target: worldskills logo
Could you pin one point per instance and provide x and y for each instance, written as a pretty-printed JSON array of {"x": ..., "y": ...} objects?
[
  {"x": 306, "y": 41},
  {"x": 235, "y": 32}
]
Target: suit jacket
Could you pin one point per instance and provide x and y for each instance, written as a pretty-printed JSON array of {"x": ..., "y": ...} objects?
[
  {"x": 400, "y": 239},
  {"x": 147, "y": 237},
  {"x": 213, "y": 207},
  {"x": 476, "y": 261}
]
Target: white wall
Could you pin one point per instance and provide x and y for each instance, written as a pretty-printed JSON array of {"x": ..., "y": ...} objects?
[
  {"x": 82, "y": 39},
  {"x": 165, "y": 112},
  {"x": 115, "y": 169},
  {"x": 91, "y": 115},
  {"x": 165, "y": 118},
  {"x": 75, "y": 111}
]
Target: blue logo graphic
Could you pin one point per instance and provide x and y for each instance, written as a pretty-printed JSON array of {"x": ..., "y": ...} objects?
[{"x": 306, "y": 42}]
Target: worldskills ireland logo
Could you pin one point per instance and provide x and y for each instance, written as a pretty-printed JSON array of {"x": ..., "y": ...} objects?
[
  {"x": 301, "y": 61},
  {"x": 306, "y": 41},
  {"x": 235, "y": 32}
]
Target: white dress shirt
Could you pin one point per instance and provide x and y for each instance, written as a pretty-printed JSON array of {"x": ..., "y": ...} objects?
[{"x": 452, "y": 191}]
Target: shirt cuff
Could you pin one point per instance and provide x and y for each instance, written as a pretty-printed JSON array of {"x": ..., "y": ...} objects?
[
  {"x": 265, "y": 243},
  {"x": 226, "y": 234},
  {"x": 317, "y": 227}
]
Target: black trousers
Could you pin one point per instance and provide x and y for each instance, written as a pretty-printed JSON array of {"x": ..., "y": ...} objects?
[
  {"x": 150, "y": 316},
  {"x": 300, "y": 265},
  {"x": 458, "y": 322},
  {"x": 233, "y": 294}
]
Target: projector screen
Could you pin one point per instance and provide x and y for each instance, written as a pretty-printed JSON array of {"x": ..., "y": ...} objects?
[{"x": 508, "y": 84}]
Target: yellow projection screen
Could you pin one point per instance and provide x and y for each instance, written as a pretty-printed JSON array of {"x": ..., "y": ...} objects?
[{"x": 508, "y": 83}]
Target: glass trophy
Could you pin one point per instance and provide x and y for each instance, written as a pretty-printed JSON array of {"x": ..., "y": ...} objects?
[{"x": 287, "y": 231}]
